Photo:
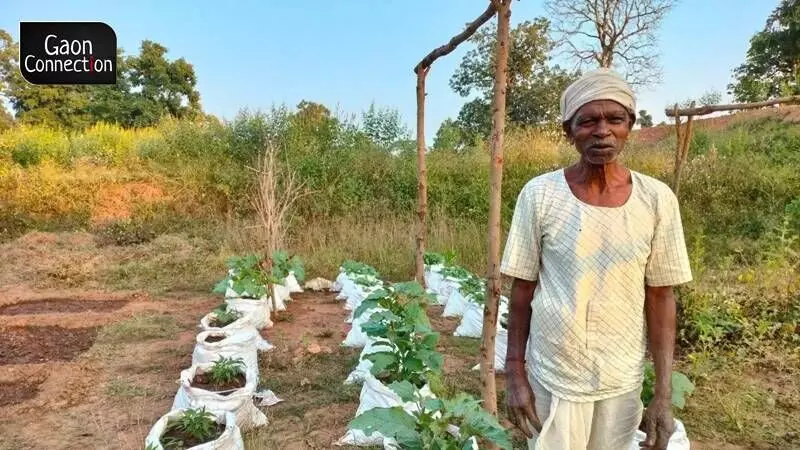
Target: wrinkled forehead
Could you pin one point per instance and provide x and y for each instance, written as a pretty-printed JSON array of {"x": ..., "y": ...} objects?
[{"x": 601, "y": 108}]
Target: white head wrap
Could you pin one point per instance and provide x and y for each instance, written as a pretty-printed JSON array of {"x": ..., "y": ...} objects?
[{"x": 600, "y": 84}]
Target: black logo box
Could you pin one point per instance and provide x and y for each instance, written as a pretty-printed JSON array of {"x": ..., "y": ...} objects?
[{"x": 68, "y": 53}]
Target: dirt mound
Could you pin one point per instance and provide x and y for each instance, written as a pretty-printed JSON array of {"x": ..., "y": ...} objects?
[{"x": 14, "y": 393}]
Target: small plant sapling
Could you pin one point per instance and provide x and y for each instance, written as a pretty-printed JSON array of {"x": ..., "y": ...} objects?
[
  {"x": 225, "y": 376},
  {"x": 192, "y": 428},
  {"x": 681, "y": 386},
  {"x": 247, "y": 277},
  {"x": 456, "y": 272},
  {"x": 224, "y": 316},
  {"x": 282, "y": 264}
]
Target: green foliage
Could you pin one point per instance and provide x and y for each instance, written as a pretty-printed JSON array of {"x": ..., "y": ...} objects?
[
  {"x": 224, "y": 370},
  {"x": 246, "y": 277},
  {"x": 428, "y": 427},
  {"x": 681, "y": 386},
  {"x": 474, "y": 289},
  {"x": 645, "y": 119},
  {"x": 351, "y": 267},
  {"x": 385, "y": 127},
  {"x": 225, "y": 316},
  {"x": 770, "y": 69},
  {"x": 197, "y": 423},
  {"x": 533, "y": 88},
  {"x": 148, "y": 88},
  {"x": 457, "y": 272},
  {"x": 282, "y": 264},
  {"x": 403, "y": 329}
]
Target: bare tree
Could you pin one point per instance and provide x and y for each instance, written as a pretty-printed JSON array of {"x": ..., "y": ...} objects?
[
  {"x": 495, "y": 190},
  {"x": 618, "y": 34},
  {"x": 422, "y": 70},
  {"x": 276, "y": 191}
]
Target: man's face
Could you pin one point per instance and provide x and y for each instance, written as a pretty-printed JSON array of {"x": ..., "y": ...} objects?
[{"x": 599, "y": 130}]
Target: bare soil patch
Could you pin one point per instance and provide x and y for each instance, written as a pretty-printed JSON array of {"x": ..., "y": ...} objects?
[
  {"x": 61, "y": 305},
  {"x": 25, "y": 345},
  {"x": 17, "y": 392},
  {"x": 203, "y": 381}
]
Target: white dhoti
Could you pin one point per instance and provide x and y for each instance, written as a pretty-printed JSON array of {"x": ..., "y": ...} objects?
[{"x": 608, "y": 424}]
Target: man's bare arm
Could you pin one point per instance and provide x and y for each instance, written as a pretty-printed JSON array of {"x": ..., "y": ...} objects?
[
  {"x": 659, "y": 308},
  {"x": 520, "y": 397}
]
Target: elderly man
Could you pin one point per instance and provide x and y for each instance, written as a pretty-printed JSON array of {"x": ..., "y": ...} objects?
[{"x": 594, "y": 251}]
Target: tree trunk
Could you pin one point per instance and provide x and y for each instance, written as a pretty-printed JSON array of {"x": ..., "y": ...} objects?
[
  {"x": 496, "y": 181},
  {"x": 422, "y": 176}
]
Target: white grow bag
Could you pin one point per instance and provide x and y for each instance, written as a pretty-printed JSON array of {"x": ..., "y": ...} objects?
[
  {"x": 239, "y": 402},
  {"x": 242, "y": 324},
  {"x": 500, "y": 351},
  {"x": 472, "y": 321},
  {"x": 375, "y": 394},
  {"x": 230, "y": 439},
  {"x": 356, "y": 337},
  {"x": 239, "y": 344},
  {"x": 456, "y": 304},
  {"x": 447, "y": 286},
  {"x": 255, "y": 306},
  {"x": 292, "y": 284},
  {"x": 678, "y": 441},
  {"x": 433, "y": 278}
]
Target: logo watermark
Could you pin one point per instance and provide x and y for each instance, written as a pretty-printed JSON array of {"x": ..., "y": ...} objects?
[{"x": 67, "y": 53}]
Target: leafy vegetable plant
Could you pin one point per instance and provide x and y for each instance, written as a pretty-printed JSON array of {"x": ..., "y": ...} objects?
[
  {"x": 457, "y": 272},
  {"x": 247, "y": 276},
  {"x": 282, "y": 264},
  {"x": 431, "y": 426},
  {"x": 474, "y": 289},
  {"x": 409, "y": 352},
  {"x": 681, "y": 386},
  {"x": 358, "y": 268},
  {"x": 224, "y": 370}
]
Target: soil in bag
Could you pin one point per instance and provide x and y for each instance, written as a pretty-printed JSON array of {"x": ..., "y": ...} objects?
[
  {"x": 203, "y": 381},
  {"x": 214, "y": 338},
  {"x": 177, "y": 439}
]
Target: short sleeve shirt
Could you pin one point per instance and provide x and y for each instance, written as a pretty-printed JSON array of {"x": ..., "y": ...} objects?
[{"x": 591, "y": 263}]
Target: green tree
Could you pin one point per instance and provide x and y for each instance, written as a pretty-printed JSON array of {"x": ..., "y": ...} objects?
[
  {"x": 772, "y": 64},
  {"x": 645, "y": 119},
  {"x": 449, "y": 136},
  {"x": 533, "y": 87},
  {"x": 385, "y": 127}
]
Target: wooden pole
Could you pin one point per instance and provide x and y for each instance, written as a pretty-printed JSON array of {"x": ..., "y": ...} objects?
[
  {"x": 422, "y": 177},
  {"x": 495, "y": 190},
  {"x": 684, "y": 141},
  {"x": 421, "y": 70},
  {"x": 708, "y": 109}
]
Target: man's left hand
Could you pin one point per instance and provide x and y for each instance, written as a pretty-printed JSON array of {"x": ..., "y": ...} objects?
[{"x": 658, "y": 424}]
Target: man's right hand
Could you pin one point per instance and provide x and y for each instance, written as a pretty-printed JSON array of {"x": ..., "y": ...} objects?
[{"x": 520, "y": 400}]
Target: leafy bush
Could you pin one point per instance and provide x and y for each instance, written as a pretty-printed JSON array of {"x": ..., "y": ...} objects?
[
  {"x": 429, "y": 426},
  {"x": 125, "y": 232},
  {"x": 474, "y": 289},
  {"x": 224, "y": 316},
  {"x": 457, "y": 272},
  {"x": 351, "y": 267}
]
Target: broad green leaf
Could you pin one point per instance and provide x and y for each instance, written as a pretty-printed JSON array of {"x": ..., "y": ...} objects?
[
  {"x": 414, "y": 365},
  {"x": 220, "y": 287},
  {"x": 430, "y": 340},
  {"x": 365, "y": 305},
  {"x": 681, "y": 387},
  {"x": 405, "y": 390},
  {"x": 381, "y": 361},
  {"x": 391, "y": 422}
]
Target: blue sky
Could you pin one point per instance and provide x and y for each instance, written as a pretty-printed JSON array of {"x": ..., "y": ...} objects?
[{"x": 349, "y": 53}]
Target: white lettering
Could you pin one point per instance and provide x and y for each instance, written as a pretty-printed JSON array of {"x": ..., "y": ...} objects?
[
  {"x": 54, "y": 52},
  {"x": 26, "y": 63}
]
